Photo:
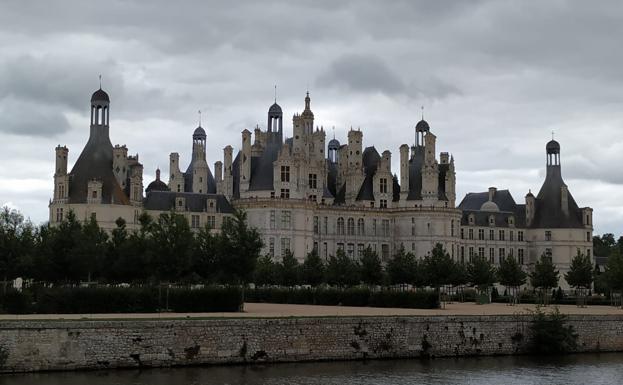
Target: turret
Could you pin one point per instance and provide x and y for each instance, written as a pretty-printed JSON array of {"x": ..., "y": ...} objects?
[
  {"x": 61, "y": 179},
  {"x": 176, "y": 178},
  {"x": 227, "y": 184},
  {"x": 100, "y": 114},
  {"x": 120, "y": 164}
]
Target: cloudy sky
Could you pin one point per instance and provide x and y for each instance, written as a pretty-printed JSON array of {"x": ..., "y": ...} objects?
[{"x": 495, "y": 79}]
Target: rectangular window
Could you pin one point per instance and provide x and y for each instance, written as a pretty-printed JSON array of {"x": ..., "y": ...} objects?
[
  {"x": 316, "y": 226},
  {"x": 588, "y": 236},
  {"x": 501, "y": 235},
  {"x": 325, "y": 250},
  {"x": 351, "y": 226},
  {"x": 548, "y": 235},
  {"x": 481, "y": 234},
  {"x": 316, "y": 247},
  {"x": 285, "y": 246},
  {"x": 481, "y": 252},
  {"x": 491, "y": 235},
  {"x": 313, "y": 181},
  {"x": 194, "y": 221},
  {"x": 385, "y": 229},
  {"x": 385, "y": 251},
  {"x": 502, "y": 253},
  {"x": 286, "y": 217},
  {"x": 520, "y": 256},
  {"x": 272, "y": 220},
  {"x": 374, "y": 227},
  {"x": 491, "y": 254},
  {"x": 413, "y": 226},
  {"x": 511, "y": 235},
  {"x": 326, "y": 225},
  {"x": 285, "y": 173},
  {"x": 462, "y": 233},
  {"x": 520, "y": 236},
  {"x": 271, "y": 247},
  {"x": 383, "y": 203},
  {"x": 350, "y": 250},
  {"x": 471, "y": 253},
  {"x": 471, "y": 233},
  {"x": 285, "y": 193},
  {"x": 211, "y": 222},
  {"x": 340, "y": 246},
  {"x": 360, "y": 248},
  {"x": 462, "y": 254},
  {"x": 383, "y": 185}
]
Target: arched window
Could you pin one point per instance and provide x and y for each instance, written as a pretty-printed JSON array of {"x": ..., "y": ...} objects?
[
  {"x": 351, "y": 226},
  {"x": 340, "y": 226},
  {"x": 361, "y": 229}
]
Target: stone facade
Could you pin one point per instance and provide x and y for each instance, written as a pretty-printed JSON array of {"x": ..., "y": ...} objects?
[
  {"x": 304, "y": 194},
  {"x": 68, "y": 345}
]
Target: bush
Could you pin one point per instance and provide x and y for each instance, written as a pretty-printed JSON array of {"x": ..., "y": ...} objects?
[
  {"x": 71, "y": 300},
  {"x": 550, "y": 335},
  {"x": 354, "y": 296}
]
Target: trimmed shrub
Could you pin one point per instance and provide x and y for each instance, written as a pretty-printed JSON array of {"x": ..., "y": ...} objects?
[
  {"x": 354, "y": 296},
  {"x": 72, "y": 300}
]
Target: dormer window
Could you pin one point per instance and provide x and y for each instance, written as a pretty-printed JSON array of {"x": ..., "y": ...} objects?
[
  {"x": 471, "y": 219},
  {"x": 491, "y": 220}
]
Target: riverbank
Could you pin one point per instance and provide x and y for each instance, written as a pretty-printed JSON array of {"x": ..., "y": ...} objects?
[{"x": 37, "y": 345}]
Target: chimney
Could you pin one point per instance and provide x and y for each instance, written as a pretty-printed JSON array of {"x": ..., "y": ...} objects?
[
  {"x": 492, "y": 191},
  {"x": 564, "y": 199}
]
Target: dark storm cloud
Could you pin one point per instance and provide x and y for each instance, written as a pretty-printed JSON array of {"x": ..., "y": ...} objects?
[{"x": 495, "y": 77}]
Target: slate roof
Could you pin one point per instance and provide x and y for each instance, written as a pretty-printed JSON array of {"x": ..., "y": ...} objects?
[
  {"x": 472, "y": 202},
  {"x": 188, "y": 180},
  {"x": 370, "y": 161},
  {"x": 165, "y": 201},
  {"x": 262, "y": 168},
  {"x": 95, "y": 162},
  {"x": 157, "y": 185},
  {"x": 415, "y": 175},
  {"x": 99, "y": 96},
  {"x": 548, "y": 208},
  {"x": 502, "y": 198}
]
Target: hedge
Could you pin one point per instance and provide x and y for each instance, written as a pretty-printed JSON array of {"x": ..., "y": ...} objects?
[
  {"x": 72, "y": 300},
  {"x": 356, "y": 296}
]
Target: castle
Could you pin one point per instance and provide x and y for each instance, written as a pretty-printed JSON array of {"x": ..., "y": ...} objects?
[{"x": 304, "y": 194}]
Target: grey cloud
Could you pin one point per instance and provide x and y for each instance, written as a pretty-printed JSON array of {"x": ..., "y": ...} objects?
[{"x": 20, "y": 117}]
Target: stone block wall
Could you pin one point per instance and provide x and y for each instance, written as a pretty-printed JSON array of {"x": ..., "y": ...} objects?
[{"x": 69, "y": 345}]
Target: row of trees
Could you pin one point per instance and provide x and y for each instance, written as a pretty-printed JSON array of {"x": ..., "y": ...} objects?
[
  {"x": 165, "y": 249},
  {"x": 161, "y": 250}
]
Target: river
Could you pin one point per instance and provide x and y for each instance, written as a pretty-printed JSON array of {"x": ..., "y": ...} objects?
[{"x": 595, "y": 369}]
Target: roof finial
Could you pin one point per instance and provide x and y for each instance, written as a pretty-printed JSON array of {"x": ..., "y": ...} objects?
[
  {"x": 333, "y": 132},
  {"x": 275, "y": 93},
  {"x": 422, "y": 112},
  {"x": 199, "y": 112},
  {"x": 100, "y": 81},
  {"x": 552, "y": 134}
]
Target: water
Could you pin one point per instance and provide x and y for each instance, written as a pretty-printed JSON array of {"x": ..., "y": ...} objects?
[{"x": 597, "y": 369}]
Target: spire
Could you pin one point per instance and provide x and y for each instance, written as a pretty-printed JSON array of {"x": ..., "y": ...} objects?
[
  {"x": 275, "y": 93},
  {"x": 199, "y": 112},
  {"x": 100, "y": 81},
  {"x": 158, "y": 173},
  {"x": 422, "y": 112}
]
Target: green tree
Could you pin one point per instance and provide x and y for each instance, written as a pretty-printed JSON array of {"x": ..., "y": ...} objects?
[
  {"x": 439, "y": 267},
  {"x": 206, "y": 254},
  {"x": 545, "y": 276},
  {"x": 371, "y": 269},
  {"x": 91, "y": 250},
  {"x": 580, "y": 274},
  {"x": 342, "y": 270},
  {"x": 288, "y": 270},
  {"x": 613, "y": 273},
  {"x": 313, "y": 269},
  {"x": 239, "y": 249},
  {"x": 17, "y": 243},
  {"x": 511, "y": 275},
  {"x": 171, "y": 247},
  {"x": 266, "y": 271},
  {"x": 402, "y": 268},
  {"x": 481, "y": 273}
]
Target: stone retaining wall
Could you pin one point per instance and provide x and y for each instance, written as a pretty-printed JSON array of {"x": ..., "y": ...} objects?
[{"x": 68, "y": 345}]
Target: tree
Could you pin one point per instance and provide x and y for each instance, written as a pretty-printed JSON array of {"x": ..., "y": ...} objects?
[
  {"x": 402, "y": 268},
  {"x": 17, "y": 244},
  {"x": 342, "y": 270},
  {"x": 481, "y": 273},
  {"x": 580, "y": 274},
  {"x": 511, "y": 275},
  {"x": 171, "y": 246},
  {"x": 438, "y": 267},
  {"x": 90, "y": 252},
  {"x": 313, "y": 269},
  {"x": 370, "y": 267},
  {"x": 545, "y": 276},
  {"x": 266, "y": 271},
  {"x": 239, "y": 249},
  {"x": 614, "y": 272},
  {"x": 288, "y": 270},
  {"x": 205, "y": 254}
]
